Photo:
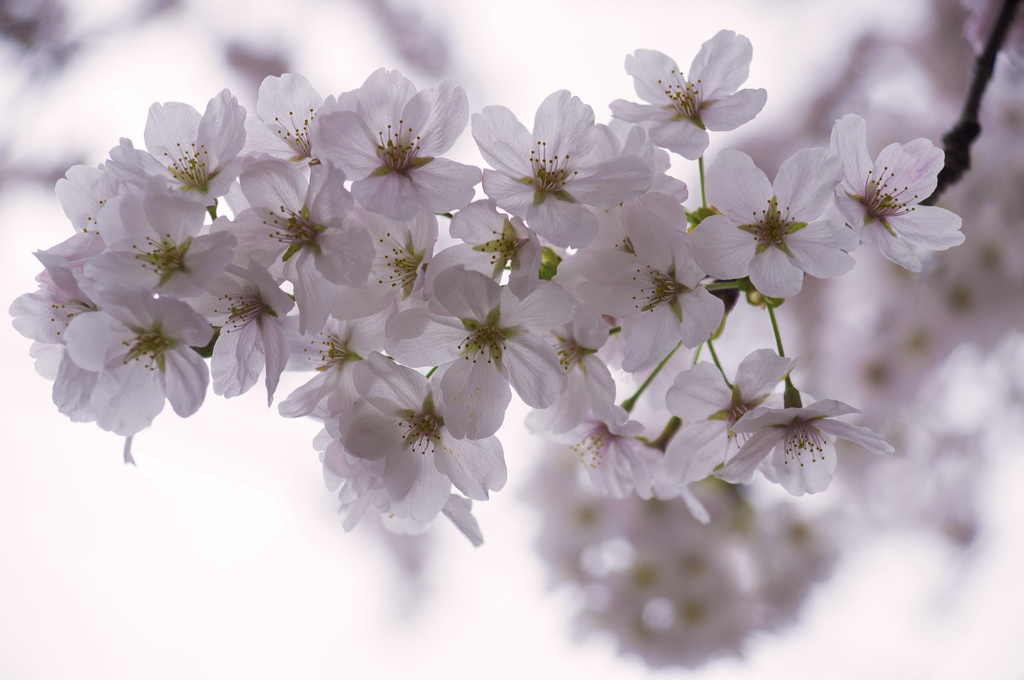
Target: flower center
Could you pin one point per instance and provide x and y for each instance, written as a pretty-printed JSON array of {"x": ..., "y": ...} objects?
[
  {"x": 398, "y": 152},
  {"x": 550, "y": 175},
  {"x": 148, "y": 346},
  {"x": 881, "y": 200},
  {"x": 297, "y": 136},
  {"x": 802, "y": 439},
  {"x": 190, "y": 167},
  {"x": 294, "y": 229},
  {"x": 657, "y": 288},
  {"x": 330, "y": 351},
  {"x": 502, "y": 248},
  {"x": 242, "y": 308},
  {"x": 686, "y": 97},
  {"x": 163, "y": 257},
  {"x": 423, "y": 430},
  {"x": 396, "y": 264},
  {"x": 593, "y": 446},
  {"x": 772, "y": 226},
  {"x": 486, "y": 339}
]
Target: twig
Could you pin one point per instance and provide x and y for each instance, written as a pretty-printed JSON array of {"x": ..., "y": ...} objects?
[{"x": 957, "y": 142}]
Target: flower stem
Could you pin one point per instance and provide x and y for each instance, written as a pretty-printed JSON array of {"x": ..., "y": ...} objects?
[
  {"x": 631, "y": 402},
  {"x": 775, "y": 327},
  {"x": 212, "y": 209},
  {"x": 431, "y": 372},
  {"x": 703, "y": 197},
  {"x": 696, "y": 355},
  {"x": 613, "y": 331},
  {"x": 722, "y": 285},
  {"x": 666, "y": 434},
  {"x": 714, "y": 356}
]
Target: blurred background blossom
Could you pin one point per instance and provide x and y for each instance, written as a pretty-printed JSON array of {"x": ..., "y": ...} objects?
[{"x": 221, "y": 555}]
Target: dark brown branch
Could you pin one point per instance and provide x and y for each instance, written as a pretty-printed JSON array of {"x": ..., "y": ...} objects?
[{"x": 957, "y": 142}]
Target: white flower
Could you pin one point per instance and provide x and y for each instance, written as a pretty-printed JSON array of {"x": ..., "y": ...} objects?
[
  {"x": 389, "y": 146},
  {"x": 186, "y": 151},
  {"x": 153, "y": 241},
  {"x": 590, "y": 389},
  {"x": 680, "y": 110},
  {"x": 803, "y": 442},
  {"x": 401, "y": 252},
  {"x": 880, "y": 200},
  {"x": 624, "y": 139},
  {"x": 303, "y": 225},
  {"x": 491, "y": 338},
  {"x": 655, "y": 288},
  {"x": 548, "y": 177},
  {"x": 84, "y": 193},
  {"x": 400, "y": 431},
  {"x": 286, "y": 106},
  {"x": 709, "y": 409},
  {"x": 611, "y": 455},
  {"x": 333, "y": 354},
  {"x": 142, "y": 348},
  {"x": 769, "y": 231},
  {"x": 493, "y": 241},
  {"x": 250, "y": 308}
]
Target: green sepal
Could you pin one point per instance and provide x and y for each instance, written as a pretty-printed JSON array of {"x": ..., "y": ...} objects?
[
  {"x": 699, "y": 215},
  {"x": 206, "y": 351},
  {"x": 292, "y": 249},
  {"x": 549, "y": 261}
]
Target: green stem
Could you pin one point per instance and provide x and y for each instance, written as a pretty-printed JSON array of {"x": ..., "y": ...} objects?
[
  {"x": 212, "y": 209},
  {"x": 631, "y": 402},
  {"x": 666, "y": 434},
  {"x": 448, "y": 215},
  {"x": 431, "y": 372},
  {"x": 696, "y": 355},
  {"x": 613, "y": 331},
  {"x": 700, "y": 166},
  {"x": 722, "y": 285},
  {"x": 714, "y": 356},
  {"x": 775, "y": 327}
]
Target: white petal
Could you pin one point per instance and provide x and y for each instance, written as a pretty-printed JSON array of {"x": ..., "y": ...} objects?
[
  {"x": 805, "y": 183},
  {"x": 929, "y": 227},
  {"x": 475, "y": 397},
  {"x": 696, "y": 451},
  {"x": 722, "y": 249},
  {"x": 533, "y": 370},
  {"x": 740, "y": 470},
  {"x": 773, "y": 274},
  {"x": 474, "y": 466},
  {"x": 818, "y": 248},
  {"x": 504, "y": 142},
  {"x": 738, "y": 188},
  {"x": 698, "y": 393},
  {"x": 732, "y": 111},
  {"x": 186, "y": 379},
  {"x": 459, "y": 511}
]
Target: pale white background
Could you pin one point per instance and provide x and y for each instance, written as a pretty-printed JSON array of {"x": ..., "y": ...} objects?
[{"x": 221, "y": 556}]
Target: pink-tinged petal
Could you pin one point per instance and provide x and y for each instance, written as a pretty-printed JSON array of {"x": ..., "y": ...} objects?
[
  {"x": 524, "y": 278},
  {"x": 169, "y": 127},
  {"x": 894, "y": 248},
  {"x": 221, "y": 133},
  {"x": 649, "y": 232},
  {"x": 856, "y": 434},
  {"x": 565, "y": 224},
  {"x": 849, "y": 142},
  {"x": 730, "y": 112},
  {"x": 345, "y": 254},
  {"x": 773, "y": 274},
  {"x": 415, "y": 488},
  {"x": 478, "y": 223},
  {"x": 276, "y": 353},
  {"x": 203, "y": 263},
  {"x": 134, "y": 165},
  {"x": 698, "y": 393},
  {"x": 127, "y": 399},
  {"x": 540, "y": 311},
  {"x": 438, "y": 116},
  {"x": 760, "y": 372},
  {"x": 475, "y": 398},
  {"x": 805, "y": 183},
  {"x": 391, "y": 194},
  {"x": 382, "y": 98},
  {"x": 305, "y": 398},
  {"x": 681, "y": 136},
  {"x": 564, "y": 125},
  {"x": 632, "y": 112},
  {"x": 84, "y": 193},
  {"x": 806, "y": 469},
  {"x": 342, "y": 138},
  {"x": 722, "y": 249},
  {"x": 504, "y": 142},
  {"x": 818, "y": 248},
  {"x": 474, "y": 466},
  {"x": 650, "y": 336},
  {"x": 702, "y": 315},
  {"x": 123, "y": 268},
  {"x": 313, "y": 292},
  {"x": 609, "y": 183},
  {"x": 909, "y": 171},
  {"x": 328, "y": 200},
  {"x": 696, "y": 451},
  {"x": 374, "y": 436},
  {"x": 94, "y": 339},
  {"x": 458, "y": 510},
  {"x": 613, "y": 283},
  {"x": 72, "y": 390},
  {"x": 722, "y": 64},
  {"x": 467, "y": 294},
  {"x": 418, "y": 337},
  {"x": 740, "y": 469},
  {"x": 186, "y": 378},
  {"x": 510, "y": 193},
  {"x": 649, "y": 68},
  {"x": 172, "y": 216},
  {"x": 390, "y": 388},
  {"x": 289, "y": 100},
  {"x": 274, "y": 184},
  {"x": 358, "y": 303},
  {"x": 444, "y": 185},
  {"x": 238, "y": 360},
  {"x": 738, "y": 188},
  {"x": 533, "y": 370},
  {"x": 929, "y": 227}
]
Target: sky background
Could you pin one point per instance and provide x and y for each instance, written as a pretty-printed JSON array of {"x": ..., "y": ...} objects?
[{"x": 220, "y": 554}]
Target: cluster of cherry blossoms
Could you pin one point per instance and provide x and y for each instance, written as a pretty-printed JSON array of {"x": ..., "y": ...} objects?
[{"x": 573, "y": 269}]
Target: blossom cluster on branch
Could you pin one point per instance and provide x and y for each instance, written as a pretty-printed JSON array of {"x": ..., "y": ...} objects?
[{"x": 579, "y": 263}]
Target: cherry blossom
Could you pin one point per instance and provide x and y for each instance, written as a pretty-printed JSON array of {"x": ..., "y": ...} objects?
[
  {"x": 772, "y": 232},
  {"x": 286, "y": 106},
  {"x": 681, "y": 110},
  {"x": 549, "y": 177},
  {"x": 389, "y": 145},
  {"x": 881, "y": 199}
]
